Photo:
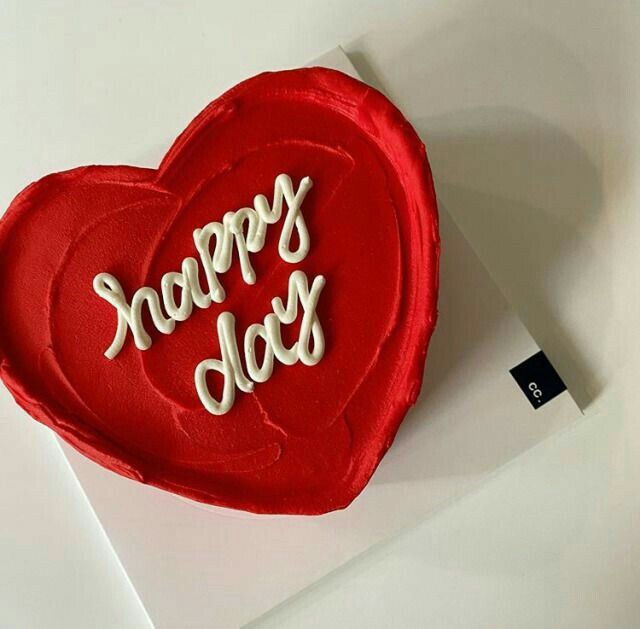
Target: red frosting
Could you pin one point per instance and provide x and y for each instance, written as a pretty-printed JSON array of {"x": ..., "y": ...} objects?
[{"x": 307, "y": 440}]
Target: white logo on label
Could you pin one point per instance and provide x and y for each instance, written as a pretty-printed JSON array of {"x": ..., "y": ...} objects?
[{"x": 537, "y": 393}]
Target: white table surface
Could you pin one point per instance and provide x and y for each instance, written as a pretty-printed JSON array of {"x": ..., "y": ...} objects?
[{"x": 531, "y": 113}]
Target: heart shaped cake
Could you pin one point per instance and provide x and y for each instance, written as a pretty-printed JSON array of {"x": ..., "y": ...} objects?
[{"x": 246, "y": 325}]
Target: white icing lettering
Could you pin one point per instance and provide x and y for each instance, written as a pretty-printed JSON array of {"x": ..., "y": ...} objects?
[
  {"x": 229, "y": 364},
  {"x": 246, "y": 228}
]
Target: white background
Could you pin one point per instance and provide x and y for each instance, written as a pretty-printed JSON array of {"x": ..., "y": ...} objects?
[{"x": 531, "y": 114}]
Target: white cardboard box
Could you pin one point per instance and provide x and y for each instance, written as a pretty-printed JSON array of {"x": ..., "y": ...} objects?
[{"x": 199, "y": 567}]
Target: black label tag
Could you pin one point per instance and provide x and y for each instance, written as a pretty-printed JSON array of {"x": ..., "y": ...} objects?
[{"x": 538, "y": 379}]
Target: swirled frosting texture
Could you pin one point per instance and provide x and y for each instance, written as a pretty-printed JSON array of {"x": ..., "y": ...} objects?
[{"x": 308, "y": 440}]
